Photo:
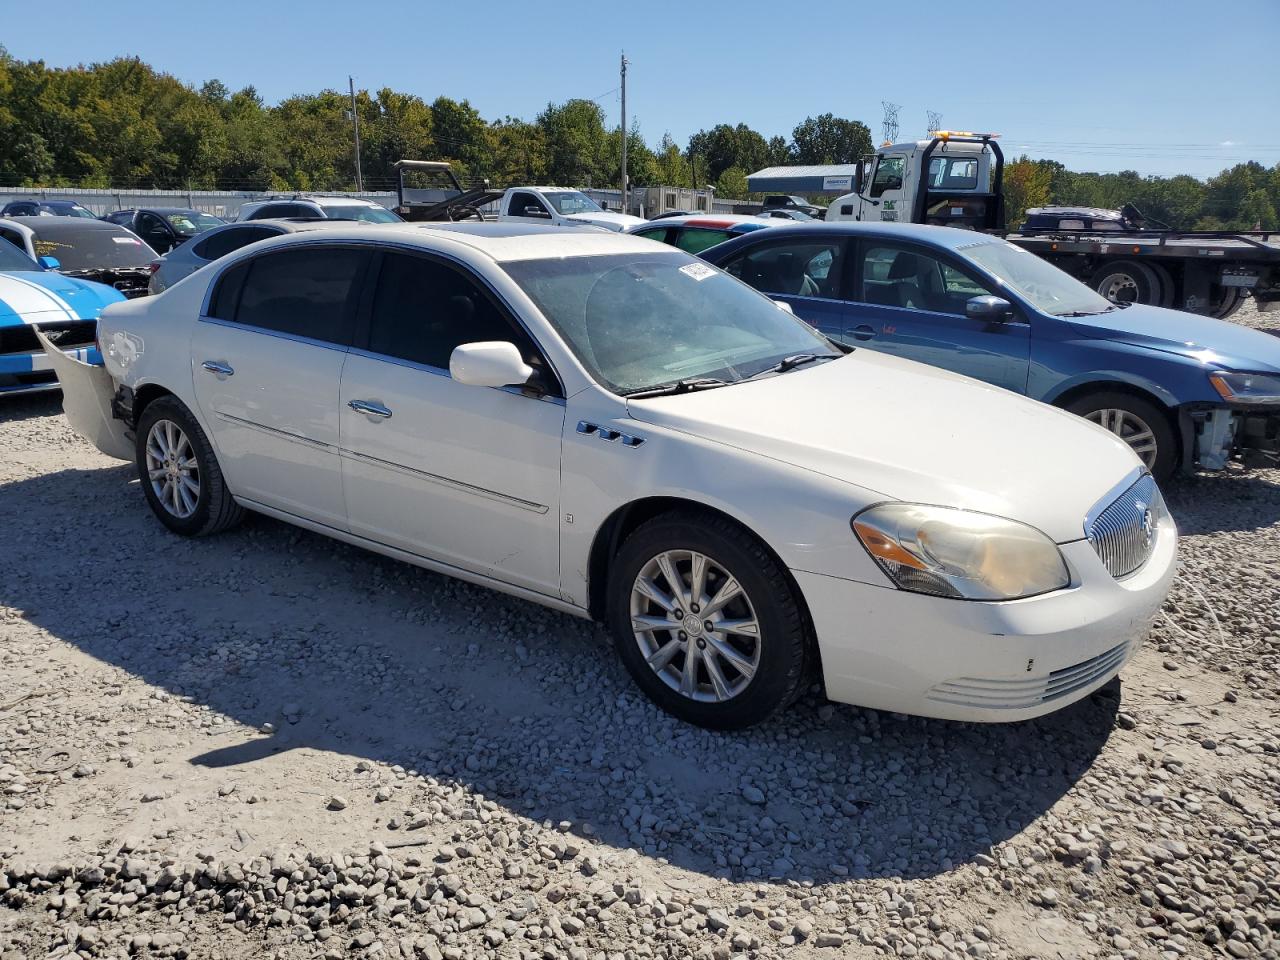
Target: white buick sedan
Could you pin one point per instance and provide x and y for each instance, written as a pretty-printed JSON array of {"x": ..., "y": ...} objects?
[{"x": 614, "y": 429}]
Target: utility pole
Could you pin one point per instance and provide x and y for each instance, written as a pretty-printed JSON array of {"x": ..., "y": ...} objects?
[
  {"x": 355, "y": 120},
  {"x": 624, "y": 131}
]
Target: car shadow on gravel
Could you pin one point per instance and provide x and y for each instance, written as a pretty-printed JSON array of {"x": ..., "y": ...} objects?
[
  {"x": 341, "y": 650},
  {"x": 44, "y": 404}
]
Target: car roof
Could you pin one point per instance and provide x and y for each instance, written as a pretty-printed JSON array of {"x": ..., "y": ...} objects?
[
  {"x": 162, "y": 210},
  {"x": 501, "y": 242},
  {"x": 721, "y": 220},
  {"x": 47, "y": 226},
  {"x": 952, "y": 238},
  {"x": 320, "y": 201}
]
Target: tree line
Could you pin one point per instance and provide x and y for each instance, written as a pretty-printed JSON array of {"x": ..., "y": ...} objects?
[{"x": 123, "y": 124}]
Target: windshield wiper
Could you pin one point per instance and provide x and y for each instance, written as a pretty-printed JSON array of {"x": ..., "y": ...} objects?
[
  {"x": 1092, "y": 313},
  {"x": 680, "y": 386},
  {"x": 790, "y": 363}
]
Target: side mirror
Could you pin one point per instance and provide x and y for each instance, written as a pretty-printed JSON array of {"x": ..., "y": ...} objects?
[
  {"x": 986, "y": 307},
  {"x": 860, "y": 176},
  {"x": 50, "y": 263},
  {"x": 489, "y": 364},
  {"x": 533, "y": 210}
]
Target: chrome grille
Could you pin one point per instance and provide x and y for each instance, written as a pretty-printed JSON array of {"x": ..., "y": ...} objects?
[{"x": 1124, "y": 533}]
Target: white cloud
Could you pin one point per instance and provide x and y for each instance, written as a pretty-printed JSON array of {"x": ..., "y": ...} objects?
[{"x": 1228, "y": 143}]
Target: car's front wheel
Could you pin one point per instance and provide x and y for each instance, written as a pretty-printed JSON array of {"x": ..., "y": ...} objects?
[
  {"x": 179, "y": 472},
  {"x": 1145, "y": 427},
  {"x": 707, "y": 621}
]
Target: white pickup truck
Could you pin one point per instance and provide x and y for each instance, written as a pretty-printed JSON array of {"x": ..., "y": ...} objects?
[{"x": 559, "y": 205}]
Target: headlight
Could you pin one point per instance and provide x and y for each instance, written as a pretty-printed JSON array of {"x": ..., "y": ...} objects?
[
  {"x": 959, "y": 553},
  {"x": 1247, "y": 388}
]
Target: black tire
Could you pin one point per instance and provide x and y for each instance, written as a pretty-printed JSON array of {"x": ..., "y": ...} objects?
[
  {"x": 1164, "y": 281},
  {"x": 782, "y": 640},
  {"x": 214, "y": 509},
  {"x": 1128, "y": 281},
  {"x": 1224, "y": 301},
  {"x": 1166, "y": 456}
]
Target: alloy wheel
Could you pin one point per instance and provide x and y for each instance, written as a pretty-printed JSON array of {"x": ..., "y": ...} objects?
[
  {"x": 695, "y": 625},
  {"x": 1130, "y": 428},
  {"x": 172, "y": 469}
]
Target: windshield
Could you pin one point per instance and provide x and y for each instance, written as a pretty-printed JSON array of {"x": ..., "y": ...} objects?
[
  {"x": 83, "y": 249},
  {"x": 11, "y": 258},
  {"x": 1044, "y": 285},
  {"x": 66, "y": 210},
  {"x": 569, "y": 202},
  {"x": 189, "y": 223},
  {"x": 372, "y": 214},
  {"x": 638, "y": 321}
]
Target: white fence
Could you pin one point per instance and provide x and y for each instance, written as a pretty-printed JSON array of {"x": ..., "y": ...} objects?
[{"x": 227, "y": 203}]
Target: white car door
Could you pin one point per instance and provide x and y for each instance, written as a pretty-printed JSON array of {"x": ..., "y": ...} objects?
[
  {"x": 267, "y": 362},
  {"x": 464, "y": 475}
]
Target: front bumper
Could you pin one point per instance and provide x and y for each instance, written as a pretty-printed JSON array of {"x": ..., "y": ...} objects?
[{"x": 986, "y": 662}]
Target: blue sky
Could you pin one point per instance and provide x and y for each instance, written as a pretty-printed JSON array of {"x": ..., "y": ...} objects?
[{"x": 1160, "y": 86}]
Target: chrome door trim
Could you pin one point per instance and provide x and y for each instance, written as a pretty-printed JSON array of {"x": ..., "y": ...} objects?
[
  {"x": 274, "y": 432},
  {"x": 444, "y": 481}
]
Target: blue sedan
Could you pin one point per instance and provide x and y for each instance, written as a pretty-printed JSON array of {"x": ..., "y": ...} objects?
[
  {"x": 66, "y": 310},
  {"x": 1183, "y": 390}
]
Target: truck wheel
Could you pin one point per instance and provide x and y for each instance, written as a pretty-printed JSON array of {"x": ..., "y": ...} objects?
[
  {"x": 180, "y": 475},
  {"x": 1224, "y": 301},
  {"x": 706, "y": 621},
  {"x": 1166, "y": 283},
  {"x": 1145, "y": 427},
  {"x": 1127, "y": 281}
]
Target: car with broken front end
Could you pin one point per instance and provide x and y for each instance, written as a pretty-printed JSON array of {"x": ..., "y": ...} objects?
[
  {"x": 619, "y": 431},
  {"x": 1183, "y": 390}
]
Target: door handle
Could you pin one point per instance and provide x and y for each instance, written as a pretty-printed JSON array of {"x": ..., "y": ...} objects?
[
  {"x": 219, "y": 368},
  {"x": 371, "y": 407},
  {"x": 863, "y": 332}
]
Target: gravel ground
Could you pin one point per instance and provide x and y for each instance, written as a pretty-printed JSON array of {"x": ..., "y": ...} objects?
[{"x": 270, "y": 744}]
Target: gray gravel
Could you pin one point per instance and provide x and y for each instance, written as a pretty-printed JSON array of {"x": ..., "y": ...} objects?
[{"x": 270, "y": 744}]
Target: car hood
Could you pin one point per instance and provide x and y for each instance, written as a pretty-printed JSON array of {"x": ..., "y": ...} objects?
[
  {"x": 28, "y": 294},
  {"x": 912, "y": 432},
  {"x": 1213, "y": 342},
  {"x": 606, "y": 218}
]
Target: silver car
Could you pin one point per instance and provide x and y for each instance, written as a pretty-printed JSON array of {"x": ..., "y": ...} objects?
[{"x": 184, "y": 260}]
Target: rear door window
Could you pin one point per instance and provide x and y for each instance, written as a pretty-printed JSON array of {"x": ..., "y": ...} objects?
[
  {"x": 233, "y": 238},
  {"x": 303, "y": 292},
  {"x": 697, "y": 239},
  {"x": 795, "y": 268}
]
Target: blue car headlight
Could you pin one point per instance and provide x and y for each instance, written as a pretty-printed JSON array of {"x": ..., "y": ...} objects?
[{"x": 1247, "y": 388}]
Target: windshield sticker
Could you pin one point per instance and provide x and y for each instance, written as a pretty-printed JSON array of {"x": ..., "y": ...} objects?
[
  {"x": 699, "y": 271},
  {"x": 46, "y": 248},
  {"x": 125, "y": 240}
]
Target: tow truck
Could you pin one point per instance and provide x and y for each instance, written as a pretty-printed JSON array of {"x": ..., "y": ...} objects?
[{"x": 956, "y": 179}]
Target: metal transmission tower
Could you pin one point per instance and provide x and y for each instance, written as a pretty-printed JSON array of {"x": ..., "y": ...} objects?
[
  {"x": 935, "y": 122},
  {"x": 889, "y": 127}
]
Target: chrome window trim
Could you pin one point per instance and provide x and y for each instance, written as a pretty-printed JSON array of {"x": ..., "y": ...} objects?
[
  {"x": 377, "y": 246},
  {"x": 276, "y": 334}
]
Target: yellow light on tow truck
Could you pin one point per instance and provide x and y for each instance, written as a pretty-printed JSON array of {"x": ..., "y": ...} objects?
[{"x": 948, "y": 134}]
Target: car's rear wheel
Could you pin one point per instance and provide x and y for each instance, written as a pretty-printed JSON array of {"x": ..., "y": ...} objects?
[
  {"x": 1145, "y": 427},
  {"x": 707, "y": 621},
  {"x": 180, "y": 474}
]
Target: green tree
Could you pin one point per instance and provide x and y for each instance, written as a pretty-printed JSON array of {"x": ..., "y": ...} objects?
[
  {"x": 830, "y": 139},
  {"x": 716, "y": 150},
  {"x": 576, "y": 149},
  {"x": 1026, "y": 185},
  {"x": 732, "y": 184}
]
